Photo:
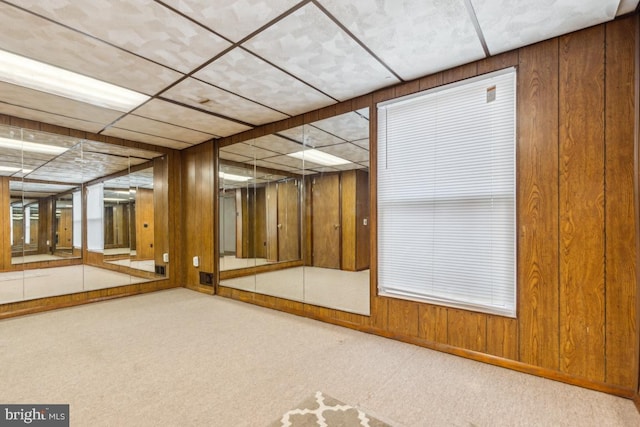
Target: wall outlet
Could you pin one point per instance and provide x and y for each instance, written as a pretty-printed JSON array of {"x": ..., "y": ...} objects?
[
  {"x": 165, "y": 257},
  {"x": 196, "y": 261}
]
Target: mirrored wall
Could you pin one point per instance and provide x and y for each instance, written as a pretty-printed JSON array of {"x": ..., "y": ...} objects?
[
  {"x": 293, "y": 214},
  {"x": 79, "y": 215}
]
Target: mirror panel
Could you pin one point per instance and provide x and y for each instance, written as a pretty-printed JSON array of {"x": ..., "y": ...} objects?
[
  {"x": 314, "y": 223},
  {"x": 143, "y": 216},
  {"x": 118, "y": 209},
  {"x": 54, "y": 221}
]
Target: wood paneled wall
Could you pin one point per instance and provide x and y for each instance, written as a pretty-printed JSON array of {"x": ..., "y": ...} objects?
[
  {"x": 5, "y": 221},
  {"x": 578, "y": 298},
  {"x": 198, "y": 204},
  {"x": 144, "y": 224}
]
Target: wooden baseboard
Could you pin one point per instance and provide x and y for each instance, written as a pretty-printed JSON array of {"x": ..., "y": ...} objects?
[
  {"x": 304, "y": 310},
  {"x": 209, "y": 290},
  {"x": 22, "y": 308}
]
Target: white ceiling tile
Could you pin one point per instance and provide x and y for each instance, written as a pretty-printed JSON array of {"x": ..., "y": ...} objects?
[
  {"x": 139, "y": 124},
  {"x": 363, "y": 143},
  {"x": 186, "y": 117},
  {"x": 311, "y": 136},
  {"x": 248, "y": 150},
  {"x": 233, "y": 19},
  {"x": 54, "y": 119},
  {"x": 194, "y": 92},
  {"x": 119, "y": 150},
  {"x": 349, "y": 126},
  {"x": 292, "y": 162},
  {"x": 413, "y": 37},
  {"x": 627, "y": 6},
  {"x": 315, "y": 137},
  {"x": 40, "y": 101},
  {"x": 241, "y": 72},
  {"x": 149, "y": 139},
  {"x": 234, "y": 157},
  {"x": 144, "y": 27},
  {"x": 277, "y": 144},
  {"x": 39, "y": 39},
  {"x": 347, "y": 151},
  {"x": 508, "y": 24},
  {"x": 312, "y": 47}
]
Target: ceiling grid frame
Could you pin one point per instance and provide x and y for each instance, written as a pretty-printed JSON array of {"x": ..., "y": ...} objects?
[{"x": 489, "y": 17}]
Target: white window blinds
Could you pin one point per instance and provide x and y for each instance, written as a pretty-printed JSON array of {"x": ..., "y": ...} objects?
[{"x": 446, "y": 195}]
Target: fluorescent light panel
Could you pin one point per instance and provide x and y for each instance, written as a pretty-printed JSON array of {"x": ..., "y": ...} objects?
[
  {"x": 13, "y": 169},
  {"x": 319, "y": 157},
  {"x": 32, "y": 147},
  {"x": 232, "y": 177},
  {"x": 36, "y": 75}
]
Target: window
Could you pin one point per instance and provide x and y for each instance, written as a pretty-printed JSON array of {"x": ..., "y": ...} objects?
[{"x": 446, "y": 195}]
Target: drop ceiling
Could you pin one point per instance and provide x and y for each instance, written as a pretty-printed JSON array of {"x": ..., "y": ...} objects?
[{"x": 216, "y": 68}]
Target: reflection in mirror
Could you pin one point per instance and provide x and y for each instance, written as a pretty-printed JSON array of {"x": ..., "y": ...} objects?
[
  {"x": 315, "y": 215},
  {"x": 42, "y": 214},
  {"x": 118, "y": 209},
  {"x": 129, "y": 214},
  {"x": 260, "y": 216},
  {"x": 52, "y": 189}
]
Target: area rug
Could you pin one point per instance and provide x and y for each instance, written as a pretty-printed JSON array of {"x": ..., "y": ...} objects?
[{"x": 321, "y": 410}]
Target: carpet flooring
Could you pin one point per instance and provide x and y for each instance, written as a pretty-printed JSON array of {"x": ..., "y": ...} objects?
[{"x": 181, "y": 358}]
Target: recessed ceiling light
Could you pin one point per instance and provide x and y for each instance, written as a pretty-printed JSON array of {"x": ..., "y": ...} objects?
[
  {"x": 33, "y": 147},
  {"x": 319, "y": 157},
  {"x": 232, "y": 177},
  {"x": 26, "y": 72}
]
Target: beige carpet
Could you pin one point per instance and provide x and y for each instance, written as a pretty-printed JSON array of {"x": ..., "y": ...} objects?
[{"x": 181, "y": 358}]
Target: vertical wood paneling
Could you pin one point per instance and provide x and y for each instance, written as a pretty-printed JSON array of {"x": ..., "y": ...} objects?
[
  {"x": 144, "y": 224},
  {"x": 403, "y": 317},
  {"x": 582, "y": 203},
  {"x": 621, "y": 328},
  {"x": 498, "y": 62},
  {"x": 175, "y": 243},
  {"x": 537, "y": 204},
  {"x": 363, "y": 221},
  {"x": 433, "y": 323},
  {"x": 198, "y": 205},
  {"x": 272, "y": 221},
  {"x": 5, "y": 235},
  {"x": 348, "y": 219},
  {"x": 467, "y": 330},
  {"x": 502, "y": 337},
  {"x": 460, "y": 73},
  {"x": 161, "y": 209},
  {"x": 260, "y": 223}
]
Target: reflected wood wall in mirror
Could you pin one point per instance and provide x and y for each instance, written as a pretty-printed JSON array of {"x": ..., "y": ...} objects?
[
  {"x": 56, "y": 242},
  {"x": 314, "y": 213}
]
